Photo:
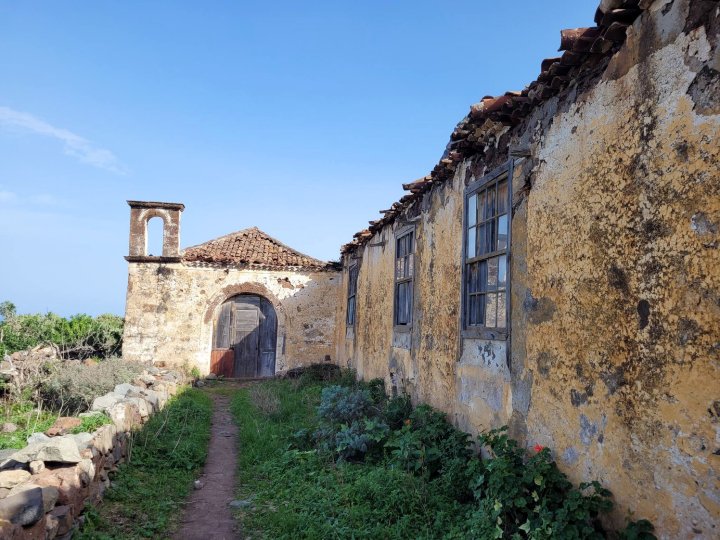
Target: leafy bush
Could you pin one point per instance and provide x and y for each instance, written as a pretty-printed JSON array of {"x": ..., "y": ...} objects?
[
  {"x": 77, "y": 337},
  {"x": 72, "y": 386},
  {"x": 529, "y": 496},
  {"x": 362, "y": 437},
  {"x": 427, "y": 443},
  {"x": 397, "y": 411},
  {"x": 403, "y": 473},
  {"x": 343, "y": 405}
]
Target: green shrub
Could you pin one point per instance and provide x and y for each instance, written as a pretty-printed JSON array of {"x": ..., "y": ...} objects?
[
  {"x": 529, "y": 497},
  {"x": 397, "y": 411},
  {"x": 92, "y": 422},
  {"x": 77, "y": 337},
  {"x": 72, "y": 386},
  {"x": 343, "y": 405}
]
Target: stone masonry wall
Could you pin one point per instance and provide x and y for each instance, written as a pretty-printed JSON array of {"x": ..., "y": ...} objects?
[
  {"x": 615, "y": 281},
  {"x": 171, "y": 309},
  {"x": 45, "y": 487}
]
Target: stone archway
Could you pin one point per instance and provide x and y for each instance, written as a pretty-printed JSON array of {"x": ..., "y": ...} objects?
[
  {"x": 213, "y": 312},
  {"x": 244, "y": 338}
]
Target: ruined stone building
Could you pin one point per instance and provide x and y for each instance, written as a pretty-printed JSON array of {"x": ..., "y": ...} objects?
[
  {"x": 243, "y": 305},
  {"x": 558, "y": 271}
]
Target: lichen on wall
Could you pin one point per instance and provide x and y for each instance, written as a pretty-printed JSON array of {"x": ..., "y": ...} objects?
[{"x": 614, "y": 341}]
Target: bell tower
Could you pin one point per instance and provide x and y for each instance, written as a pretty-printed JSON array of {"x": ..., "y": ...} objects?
[{"x": 143, "y": 211}]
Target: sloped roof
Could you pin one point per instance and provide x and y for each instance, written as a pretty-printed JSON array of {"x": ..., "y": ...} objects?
[
  {"x": 252, "y": 248},
  {"x": 586, "y": 52}
]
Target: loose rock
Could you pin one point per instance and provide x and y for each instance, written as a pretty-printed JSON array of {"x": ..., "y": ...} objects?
[{"x": 10, "y": 479}]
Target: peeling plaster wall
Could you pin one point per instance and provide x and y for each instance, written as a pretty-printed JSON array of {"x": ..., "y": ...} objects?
[
  {"x": 623, "y": 221},
  {"x": 615, "y": 282},
  {"x": 171, "y": 308}
]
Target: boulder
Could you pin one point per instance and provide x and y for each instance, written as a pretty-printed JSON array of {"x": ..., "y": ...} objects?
[
  {"x": 148, "y": 379},
  {"x": 50, "y": 494},
  {"x": 144, "y": 408},
  {"x": 10, "y": 479},
  {"x": 37, "y": 438},
  {"x": 125, "y": 415},
  {"x": 64, "y": 517},
  {"x": 106, "y": 402},
  {"x": 63, "y": 425},
  {"x": 82, "y": 440},
  {"x": 88, "y": 467},
  {"x": 23, "y": 508},
  {"x": 103, "y": 438},
  {"x": 57, "y": 449},
  {"x": 126, "y": 388},
  {"x": 36, "y": 466}
]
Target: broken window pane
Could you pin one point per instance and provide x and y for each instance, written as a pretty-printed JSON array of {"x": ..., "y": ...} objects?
[
  {"x": 502, "y": 273},
  {"x": 472, "y": 278},
  {"x": 472, "y": 210},
  {"x": 489, "y": 210},
  {"x": 502, "y": 234},
  {"x": 482, "y": 276},
  {"x": 399, "y": 268},
  {"x": 491, "y": 310},
  {"x": 492, "y": 273},
  {"x": 410, "y": 265},
  {"x": 501, "y": 311},
  {"x": 490, "y": 236},
  {"x": 502, "y": 198},
  {"x": 471, "y": 243}
]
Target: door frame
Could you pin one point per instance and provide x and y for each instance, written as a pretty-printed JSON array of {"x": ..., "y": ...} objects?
[{"x": 213, "y": 311}]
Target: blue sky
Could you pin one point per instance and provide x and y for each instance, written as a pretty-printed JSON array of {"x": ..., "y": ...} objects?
[{"x": 301, "y": 118}]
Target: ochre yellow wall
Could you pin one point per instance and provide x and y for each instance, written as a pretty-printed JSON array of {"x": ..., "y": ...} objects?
[{"x": 615, "y": 284}]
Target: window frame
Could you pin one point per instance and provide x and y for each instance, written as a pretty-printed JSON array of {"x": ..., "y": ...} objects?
[
  {"x": 504, "y": 172},
  {"x": 351, "y": 293},
  {"x": 408, "y": 230}
]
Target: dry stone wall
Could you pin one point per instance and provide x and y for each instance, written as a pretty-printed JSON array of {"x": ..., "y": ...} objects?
[{"x": 45, "y": 486}]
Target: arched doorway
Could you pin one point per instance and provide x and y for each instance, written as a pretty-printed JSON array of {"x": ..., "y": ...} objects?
[{"x": 244, "y": 338}]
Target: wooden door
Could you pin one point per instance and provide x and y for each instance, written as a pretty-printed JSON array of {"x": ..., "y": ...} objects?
[{"x": 245, "y": 338}]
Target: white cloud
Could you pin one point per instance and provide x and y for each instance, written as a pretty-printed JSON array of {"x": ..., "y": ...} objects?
[{"x": 73, "y": 145}]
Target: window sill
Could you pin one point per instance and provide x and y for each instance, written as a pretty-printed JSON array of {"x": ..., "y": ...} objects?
[{"x": 484, "y": 333}]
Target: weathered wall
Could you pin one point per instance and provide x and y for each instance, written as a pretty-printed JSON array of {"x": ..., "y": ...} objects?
[
  {"x": 171, "y": 308},
  {"x": 615, "y": 282}
]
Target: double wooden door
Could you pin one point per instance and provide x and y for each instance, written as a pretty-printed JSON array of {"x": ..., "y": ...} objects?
[{"x": 245, "y": 338}]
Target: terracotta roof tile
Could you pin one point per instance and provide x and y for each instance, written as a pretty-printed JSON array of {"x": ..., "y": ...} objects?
[
  {"x": 252, "y": 248},
  {"x": 583, "y": 50}
]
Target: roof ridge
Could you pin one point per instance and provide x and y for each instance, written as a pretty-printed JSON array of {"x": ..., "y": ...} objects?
[{"x": 251, "y": 246}]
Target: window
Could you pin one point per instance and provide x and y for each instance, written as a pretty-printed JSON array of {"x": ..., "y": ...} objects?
[
  {"x": 404, "y": 270},
  {"x": 352, "y": 292},
  {"x": 487, "y": 218}
]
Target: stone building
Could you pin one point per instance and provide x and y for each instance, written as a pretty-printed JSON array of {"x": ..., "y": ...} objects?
[
  {"x": 558, "y": 271},
  {"x": 242, "y": 305}
]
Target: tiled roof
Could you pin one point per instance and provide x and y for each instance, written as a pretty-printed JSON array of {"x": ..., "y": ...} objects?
[
  {"x": 252, "y": 248},
  {"x": 585, "y": 50}
]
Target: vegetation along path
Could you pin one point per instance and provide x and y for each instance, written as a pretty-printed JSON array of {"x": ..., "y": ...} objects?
[{"x": 208, "y": 514}]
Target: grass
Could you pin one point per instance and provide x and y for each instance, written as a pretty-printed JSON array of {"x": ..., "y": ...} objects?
[
  {"x": 146, "y": 496},
  {"x": 28, "y": 417},
  {"x": 299, "y": 494}
]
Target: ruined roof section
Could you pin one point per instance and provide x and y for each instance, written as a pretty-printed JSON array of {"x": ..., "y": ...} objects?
[
  {"x": 584, "y": 51},
  {"x": 253, "y": 248}
]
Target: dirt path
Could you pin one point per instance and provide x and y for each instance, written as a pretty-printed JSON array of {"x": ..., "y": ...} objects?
[{"x": 207, "y": 514}]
